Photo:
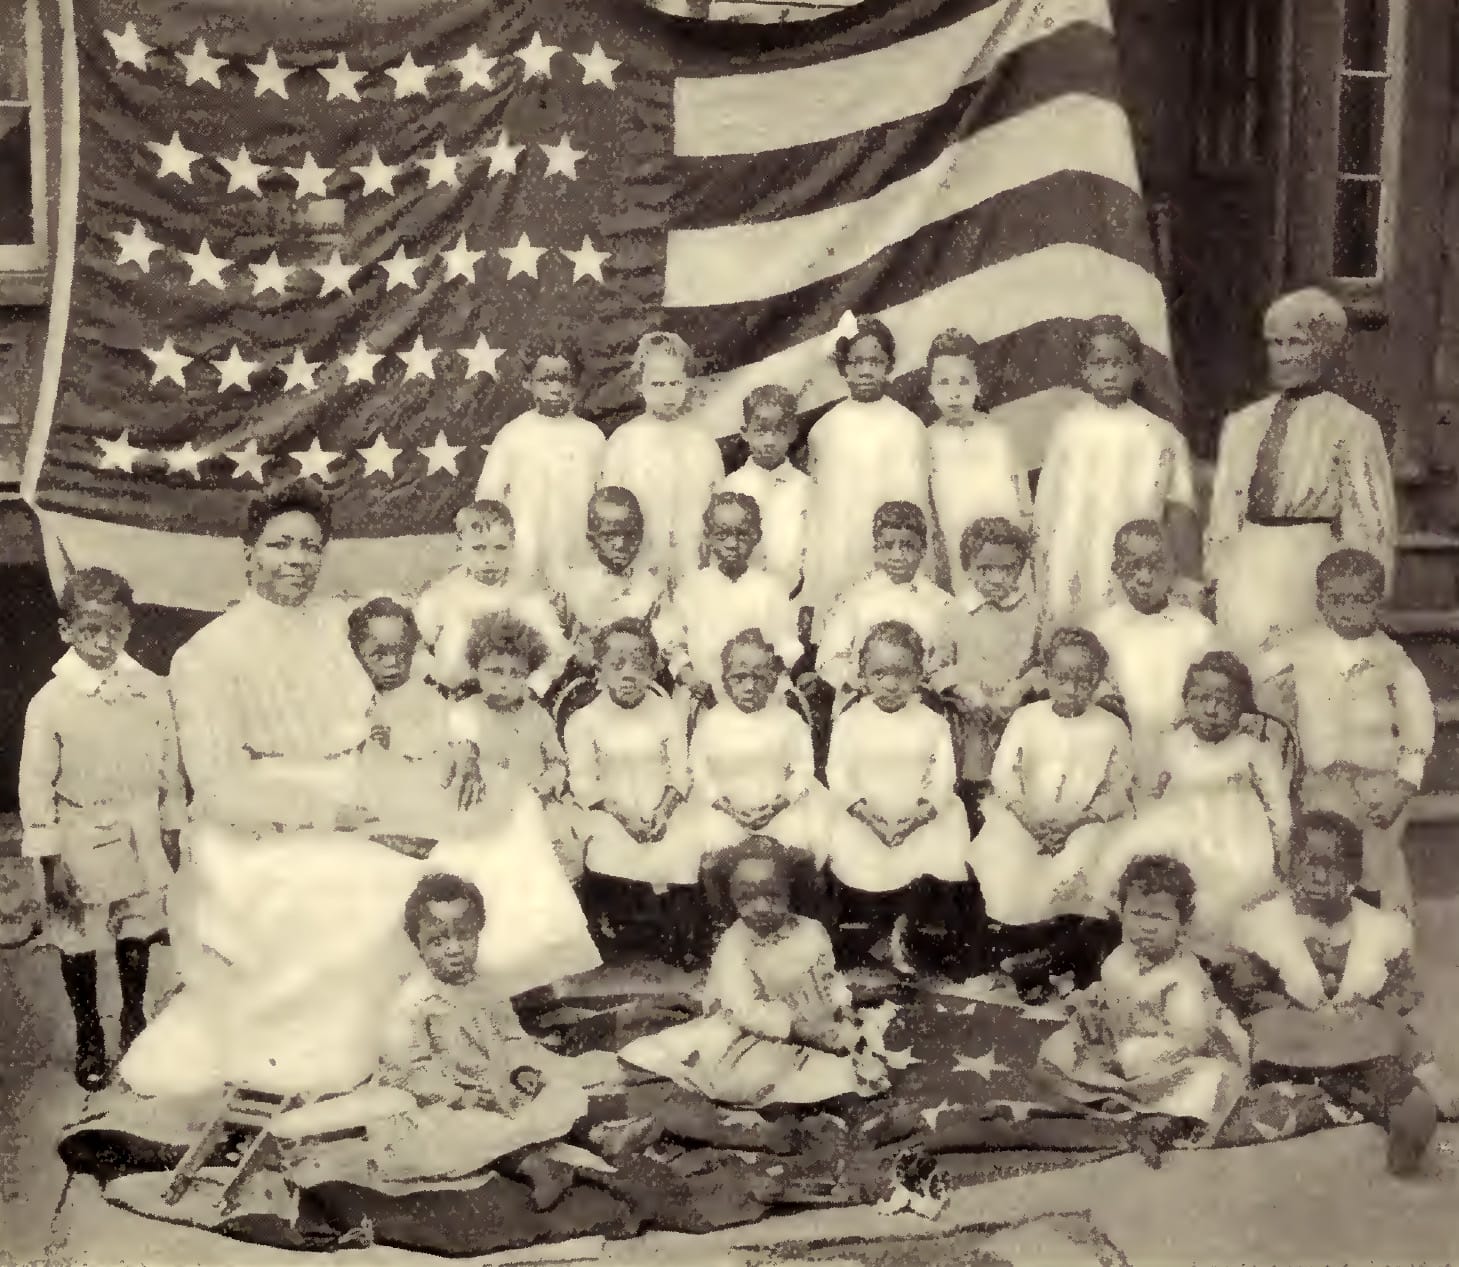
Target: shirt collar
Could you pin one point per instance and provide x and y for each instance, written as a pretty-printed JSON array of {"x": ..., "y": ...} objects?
[
  {"x": 72, "y": 669},
  {"x": 979, "y": 602}
]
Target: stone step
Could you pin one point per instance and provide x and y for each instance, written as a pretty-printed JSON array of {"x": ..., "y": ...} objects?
[
  {"x": 1431, "y": 638},
  {"x": 1432, "y": 844},
  {"x": 1427, "y": 571}
]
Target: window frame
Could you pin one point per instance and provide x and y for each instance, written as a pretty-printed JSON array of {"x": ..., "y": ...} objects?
[{"x": 24, "y": 267}]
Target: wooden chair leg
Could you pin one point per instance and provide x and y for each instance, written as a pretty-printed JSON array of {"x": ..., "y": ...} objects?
[
  {"x": 263, "y": 1150},
  {"x": 198, "y": 1152}
]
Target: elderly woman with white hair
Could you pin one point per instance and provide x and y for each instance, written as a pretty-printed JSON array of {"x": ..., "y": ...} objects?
[
  {"x": 665, "y": 457},
  {"x": 1299, "y": 473}
]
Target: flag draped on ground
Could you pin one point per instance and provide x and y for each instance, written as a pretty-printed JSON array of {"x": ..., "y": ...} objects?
[{"x": 312, "y": 240}]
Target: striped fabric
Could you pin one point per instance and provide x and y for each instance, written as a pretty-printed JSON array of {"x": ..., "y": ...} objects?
[{"x": 311, "y": 240}]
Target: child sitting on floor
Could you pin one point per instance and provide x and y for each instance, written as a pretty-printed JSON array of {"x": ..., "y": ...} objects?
[
  {"x": 461, "y": 1085},
  {"x": 1062, "y": 772},
  {"x": 1337, "y": 1015},
  {"x": 615, "y": 584},
  {"x": 544, "y": 463},
  {"x": 484, "y": 581},
  {"x": 628, "y": 760},
  {"x": 665, "y": 456},
  {"x": 513, "y": 732},
  {"x": 899, "y": 836},
  {"x": 1149, "y": 1041},
  {"x": 1152, "y": 636},
  {"x": 751, "y": 760},
  {"x": 892, "y": 591},
  {"x": 1362, "y": 714},
  {"x": 994, "y": 642},
  {"x": 976, "y": 470},
  {"x": 778, "y": 1027},
  {"x": 102, "y": 804},
  {"x": 715, "y": 602},
  {"x": 781, "y": 490}
]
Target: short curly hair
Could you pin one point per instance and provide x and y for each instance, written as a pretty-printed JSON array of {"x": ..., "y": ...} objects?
[
  {"x": 895, "y": 633},
  {"x": 298, "y": 498},
  {"x": 771, "y": 394},
  {"x": 793, "y": 867},
  {"x": 441, "y": 887},
  {"x": 726, "y": 498},
  {"x": 627, "y": 625},
  {"x": 382, "y": 608},
  {"x": 993, "y": 530},
  {"x": 900, "y": 516},
  {"x": 501, "y": 633},
  {"x": 749, "y": 638},
  {"x": 1075, "y": 636},
  {"x": 1228, "y": 665},
  {"x": 866, "y": 328},
  {"x": 1351, "y": 562},
  {"x": 490, "y": 511},
  {"x": 1159, "y": 873},
  {"x": 95, "y": 585},
  {"x": 1109, "y": 326}
]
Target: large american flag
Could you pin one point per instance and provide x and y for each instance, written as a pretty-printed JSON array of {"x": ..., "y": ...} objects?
[{"x": 310, "y": 239}]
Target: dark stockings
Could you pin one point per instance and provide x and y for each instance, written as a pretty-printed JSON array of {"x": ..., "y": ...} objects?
[
  {"x": 132, "y": 954},
  {"x": 78, "y": 972}
]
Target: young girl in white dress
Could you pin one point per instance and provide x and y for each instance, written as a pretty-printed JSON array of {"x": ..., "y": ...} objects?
[
  {"x": 1150, "y": 1043},
  {"x": 778, "y": 1026},
  {"x": 976, "y": 468},
  {"x": 544, "y": 463},
  {"x": 665, "y": 457},
  {"x": 1220, "y": 802},
  {"x": 898, "y": 828},
  {"x": 628, "y": 762},
  {"x": 750, "y": 758},
  {"x": 1062, "y": 772},
  {"x": 864, "y": 452},
  {"x": 1109, "y": 461},
  {"x": 781, "y": 490}
]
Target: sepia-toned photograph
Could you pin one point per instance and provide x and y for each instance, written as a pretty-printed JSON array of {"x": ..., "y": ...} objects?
[{"x": 756, "y": 632}]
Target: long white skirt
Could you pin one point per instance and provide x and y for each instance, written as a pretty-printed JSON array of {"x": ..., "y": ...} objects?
[
  {"x": 940, "y": 849},
  {"x": 1023, "y": 886},
  {"x": 610, "y": 850},
  {"x": 800, "y": 825},
  {"x": 291, "y": 946},
  {"x": 1267, "y": 584},
  {"x": 716, "y": 1058}
]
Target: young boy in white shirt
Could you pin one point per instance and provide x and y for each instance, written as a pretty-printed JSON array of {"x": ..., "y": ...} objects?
[
  {"x": 1362, "y": 714},
  {"x": 102, "y": 803},
  {"x": 781, "y": 490}
]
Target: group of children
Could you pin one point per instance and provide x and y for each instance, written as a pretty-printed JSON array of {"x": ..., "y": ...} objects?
[{"x": 971, "y": 697}]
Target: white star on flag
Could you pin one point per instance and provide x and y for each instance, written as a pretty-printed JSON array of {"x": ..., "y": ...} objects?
[
  {"x": 200, "y": 64},
  {"x": 441, "y": 456},
  {"x": 984, "y": 1066},
  {"x": 587, "y": 261},
  {"x": 315, "y": 461},
  {"x": 460, "y": 260},
  {"x": 379, "y": 176},
  {"x": 235, "y": 371},
  {"x": 597, "y": 66},
  {"x": 562, "y": 159},
  {"x": 248, "y": 461},
  {"x": 410, "y": 79},
  {"x": 136, "y": 247},
  {"x": 503, "y": 156},
  {"x": 243, "y": 172},
  {"x": 482, "y": 358},
  {"x": 120, "y": 453},
  {"x": 205, "y": 266},
  {"x": 402, "y": 269},
  {"x": 335, "y": 273},
  {"x": 536, "y": 58},
  {"x": 441, "y": 168},
  {"x": 185, "y": 459},
  {"x": 931, "y": 1115},
  {"x": 175, "y": 158},
  {"x": 522, "y": 258},
  {"x": 474, "y": 68},
  {"x": 420, "y": 361},
  {"x": 310, "y": 177},
  {"x": 342, "y": 80},
  {"x": 271, "y": 76},
  {"x": 299, "y": 372},
  {"x": 128, "y": 47},
  {"x": 167, "y": 362},
  {"x": 379, "y": 458},
  {"x": 270, "y": 275},
  {"x": 360, "y": 364}
]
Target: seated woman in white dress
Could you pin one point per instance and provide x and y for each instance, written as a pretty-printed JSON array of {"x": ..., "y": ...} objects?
[
  {"x": 1063, "y": 771},
  {"x": 899, "y": 834},
  {"x": 460, "y": 1084},
  {"x": 864, "y": 452},
  {"x": 1221, "y": 803},
  {"x": 751, "y": 761},
  {"x": 1150, "y": 1043},
  {"x": 778, "y": 1027}
]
